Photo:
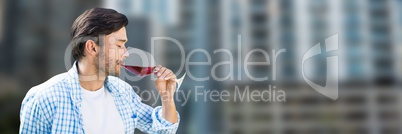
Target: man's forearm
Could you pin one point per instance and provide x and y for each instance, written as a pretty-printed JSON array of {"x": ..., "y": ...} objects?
[{"x": 169, "y": 110}]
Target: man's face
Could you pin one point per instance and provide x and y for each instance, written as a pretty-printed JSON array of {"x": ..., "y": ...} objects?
[{"x": 112, "y": 55}]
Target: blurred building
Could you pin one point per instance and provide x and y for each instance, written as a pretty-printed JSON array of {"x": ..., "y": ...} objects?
[
  {"x": 368, "y": 66},
  {"x": 33, "y": 38},
  {"x": 368, "y": 100}
]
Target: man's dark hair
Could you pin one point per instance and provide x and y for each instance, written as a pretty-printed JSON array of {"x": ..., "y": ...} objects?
[{"x": 91, "y": 24}]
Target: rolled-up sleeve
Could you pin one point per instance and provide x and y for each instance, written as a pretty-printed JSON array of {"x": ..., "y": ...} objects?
[
  {"x": 150, "y": 119},
  {"x": 162, "y": 122}
]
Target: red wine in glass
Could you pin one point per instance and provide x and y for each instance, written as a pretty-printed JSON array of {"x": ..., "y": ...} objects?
[
  {"x": 139, "y": 70},
  {"x": 146, "y": 70}
]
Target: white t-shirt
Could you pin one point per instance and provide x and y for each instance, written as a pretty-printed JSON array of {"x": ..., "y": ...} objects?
[{"x": 99, "y": 113}]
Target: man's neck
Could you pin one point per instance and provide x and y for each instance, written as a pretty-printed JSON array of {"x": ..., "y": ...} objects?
[{"x": 89, "y": 78}]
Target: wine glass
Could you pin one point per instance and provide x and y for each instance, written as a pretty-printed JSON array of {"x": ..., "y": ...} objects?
[{"x": 146, "y": 67}]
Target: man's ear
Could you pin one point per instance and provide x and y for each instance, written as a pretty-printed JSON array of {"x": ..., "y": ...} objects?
[{"x": 91, "y": 48}]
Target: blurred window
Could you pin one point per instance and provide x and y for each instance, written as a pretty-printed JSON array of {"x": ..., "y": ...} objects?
[{"x": 1, "y": 19}]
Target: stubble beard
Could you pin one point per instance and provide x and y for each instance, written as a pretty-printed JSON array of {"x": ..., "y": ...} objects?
[{"x": 106, "y": 66}]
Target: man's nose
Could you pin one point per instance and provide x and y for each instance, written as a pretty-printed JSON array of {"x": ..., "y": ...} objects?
[{"x": 126, "y": 54}]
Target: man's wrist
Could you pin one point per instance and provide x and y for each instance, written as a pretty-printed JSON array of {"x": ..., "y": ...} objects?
[
  {"x": 168, "y": 101},
  {"x": 167, "y": 97},
  {"x": 169, "y": 111}
]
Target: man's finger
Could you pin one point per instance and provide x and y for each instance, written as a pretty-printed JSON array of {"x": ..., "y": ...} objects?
[
  {"x": 170, "y": 76},
  {"x": 166, "y": 74},
  {"x": 161, "y": 71},
  {"x": 157, "y": 68}
]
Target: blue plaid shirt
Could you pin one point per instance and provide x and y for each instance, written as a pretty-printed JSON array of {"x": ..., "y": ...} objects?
[{"x": 55, "y": 107}]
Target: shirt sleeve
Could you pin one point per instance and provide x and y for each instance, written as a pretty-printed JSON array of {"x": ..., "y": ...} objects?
[
  {"x": 150, "y": 119},
  {"x": 32, "y": 117}
]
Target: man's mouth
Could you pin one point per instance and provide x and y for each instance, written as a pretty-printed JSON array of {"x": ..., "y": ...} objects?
[{"x": 120, "y": 63}]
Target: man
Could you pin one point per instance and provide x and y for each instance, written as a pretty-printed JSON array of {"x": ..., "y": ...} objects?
[{"x": 89, "y": 98}]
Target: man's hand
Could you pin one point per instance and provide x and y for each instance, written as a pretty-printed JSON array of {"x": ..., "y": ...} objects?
[
  {"x": 165, "y": 82},
  {"x": 166, "y": 85}
]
